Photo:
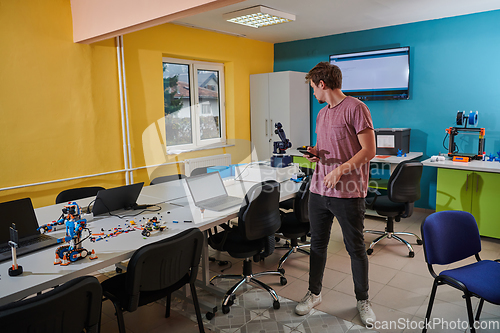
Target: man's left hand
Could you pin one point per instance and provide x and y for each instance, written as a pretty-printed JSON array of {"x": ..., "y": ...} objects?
[{"x": 332, "y": 178}]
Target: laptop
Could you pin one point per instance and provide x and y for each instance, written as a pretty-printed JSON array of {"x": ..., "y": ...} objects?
[
  {"x": 208, "y": 191},
  {"x": 21, "y": 213},
  {"x": 123, "y": 197}
]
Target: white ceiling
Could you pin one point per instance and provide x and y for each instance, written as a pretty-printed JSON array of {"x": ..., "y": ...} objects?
[{"x": 316, "y": 18}]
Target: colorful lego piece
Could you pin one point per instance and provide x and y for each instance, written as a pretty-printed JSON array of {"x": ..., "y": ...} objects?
[{"x": 152, "y": 225}]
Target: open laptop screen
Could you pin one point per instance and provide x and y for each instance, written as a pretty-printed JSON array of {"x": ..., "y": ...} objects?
[
  {"x": 21, "y": 213},
  {"x": 123, "y": 197},
  {"x": 206, "y": 186}
]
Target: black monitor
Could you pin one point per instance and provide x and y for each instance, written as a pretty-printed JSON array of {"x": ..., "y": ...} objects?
[
  {"x": 123, "y": 197},
  {"x": 375, "y": 75}
]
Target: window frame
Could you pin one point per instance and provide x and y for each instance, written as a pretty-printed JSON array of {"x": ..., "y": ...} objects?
[{"x": 196, "y": 108}]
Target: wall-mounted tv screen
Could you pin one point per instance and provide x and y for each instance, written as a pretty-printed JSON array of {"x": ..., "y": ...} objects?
[{"x": 375, "y": 75}]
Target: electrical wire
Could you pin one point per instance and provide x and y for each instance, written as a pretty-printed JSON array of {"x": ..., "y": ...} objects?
[
  {"x": 134, "y": 215},
  {"x": 455, "y": 147}
]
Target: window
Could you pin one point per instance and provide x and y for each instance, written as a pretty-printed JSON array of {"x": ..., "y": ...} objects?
[{"x": 194, "y": 103}]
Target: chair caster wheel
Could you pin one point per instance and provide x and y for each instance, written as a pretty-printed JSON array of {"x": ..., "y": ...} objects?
[
  {"x": 411, "y": 254},
  {"x": 118, "y": 270},
  {"x": 277, "y": 239},
  {"x": 209, "y": 315},
  {"x": 369, "y": 251},
  {"x": 283, "y": 281},
  {"x": 225, "y": 309},
  {"x": 276, "y": 305},
  {"x": 281, "y": 270},
  {"x": 303, "y": 239},
  {"x": 419, "y": 241}
]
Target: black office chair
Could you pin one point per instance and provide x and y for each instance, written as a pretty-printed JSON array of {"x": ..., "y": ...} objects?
[
  {"x": 70, "y": 308},
  {"x": 295, "y": 224},
  {"x": 452, "y": 236},
  {"x": 164, "y": 179},
  {"x": 77, "y": 193},
  {"x": 199, "y": 171},
  {"x": 403, "y": 190},
  {"x": 288, "y": 204},
  {"x": 155, "y": 271},
  {"x": 258, "y": 220}
]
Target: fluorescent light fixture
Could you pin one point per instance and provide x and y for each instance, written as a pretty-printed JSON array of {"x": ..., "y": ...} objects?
[{"x": 258, "y": 16}]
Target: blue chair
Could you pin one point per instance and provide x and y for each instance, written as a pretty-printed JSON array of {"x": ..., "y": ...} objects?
[{"x": 451, "y": 236}]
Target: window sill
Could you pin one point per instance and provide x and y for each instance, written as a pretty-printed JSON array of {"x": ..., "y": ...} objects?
[{"x": 171, "y": 151}]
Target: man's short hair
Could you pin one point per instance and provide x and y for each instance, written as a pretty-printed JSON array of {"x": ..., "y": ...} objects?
[{"x": 330, "y": 74}]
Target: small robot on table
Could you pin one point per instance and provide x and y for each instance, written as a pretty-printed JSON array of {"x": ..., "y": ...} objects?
[
  {"x": 72, "y": 250},
  {"x": 152, "y": 225}
]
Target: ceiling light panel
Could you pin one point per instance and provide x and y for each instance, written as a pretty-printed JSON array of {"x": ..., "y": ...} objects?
[{"x": 258, "y": 16}]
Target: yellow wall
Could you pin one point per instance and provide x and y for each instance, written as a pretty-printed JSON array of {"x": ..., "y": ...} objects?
[
  {"x": 59, "y": 101},
  {"x": 144, "y": 51}
]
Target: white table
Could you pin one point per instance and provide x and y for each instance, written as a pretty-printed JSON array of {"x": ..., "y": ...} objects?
[
  {"x": 485, "y": 166},
  {"x": 391, "y": 160},
  {"x": 394, "y": 160},
  {"x": 40, "y": 273}
]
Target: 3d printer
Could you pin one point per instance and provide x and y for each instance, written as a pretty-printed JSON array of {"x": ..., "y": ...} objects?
[{"x": 457, "y": 148}]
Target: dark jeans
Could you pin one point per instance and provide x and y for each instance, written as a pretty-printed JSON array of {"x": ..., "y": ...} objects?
[{"x": 350, "y": 214}]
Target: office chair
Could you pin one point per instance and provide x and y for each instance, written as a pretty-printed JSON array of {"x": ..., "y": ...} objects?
[
  {"x": 258, "y": 220},
  {"x": 199, "y": 171},
  {"x": 70, "y": 308},
  {"x": 77, "y": 193},
  {"x": 451, "y": 236},
  {"x": 164, "y": 179},
  {"x": 288, "y": 204},
  {"x": 295, "y": 224},
  {"x": 155, "y": 271},
  {"x": 403, "y": 190}
]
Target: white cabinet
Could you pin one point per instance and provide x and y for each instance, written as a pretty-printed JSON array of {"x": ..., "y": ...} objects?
[{"x": 278, "y": 97}]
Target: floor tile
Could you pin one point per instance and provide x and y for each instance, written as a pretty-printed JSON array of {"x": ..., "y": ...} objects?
[
  {"x": 338, "y": 304},
  {"x": 402, "y": 300},
  {"x": 412, "y": 282}
]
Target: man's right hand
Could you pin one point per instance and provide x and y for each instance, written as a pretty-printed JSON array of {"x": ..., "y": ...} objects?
[{"x": 312, "y": 158}]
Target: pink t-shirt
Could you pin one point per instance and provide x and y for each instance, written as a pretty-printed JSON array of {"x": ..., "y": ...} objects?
[{"x": 337, "y": 142}]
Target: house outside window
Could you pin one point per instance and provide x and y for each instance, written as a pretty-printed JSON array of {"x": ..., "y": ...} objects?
[{"x": 193, "y": 103}]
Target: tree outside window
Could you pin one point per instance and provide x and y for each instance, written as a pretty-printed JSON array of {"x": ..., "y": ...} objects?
[{"x": 193, "y": 103}]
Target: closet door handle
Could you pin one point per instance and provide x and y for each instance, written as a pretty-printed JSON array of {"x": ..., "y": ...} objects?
[{"x": 266, "y": 127}]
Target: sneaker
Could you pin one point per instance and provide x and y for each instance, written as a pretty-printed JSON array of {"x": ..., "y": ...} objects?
[
  {"x": 307, "y": 303},
  {"x": 366, "y": 312}
]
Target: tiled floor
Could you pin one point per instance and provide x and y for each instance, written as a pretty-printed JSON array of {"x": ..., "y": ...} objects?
[{"x": 399, "y": 290}]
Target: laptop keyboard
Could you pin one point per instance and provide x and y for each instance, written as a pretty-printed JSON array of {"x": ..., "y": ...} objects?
[
  {"x": 27, "y": 242},
  {"x": 222, "y": 202}
]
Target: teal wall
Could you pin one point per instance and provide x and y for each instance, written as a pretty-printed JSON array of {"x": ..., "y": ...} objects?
[{"x": 454, "y": 65}]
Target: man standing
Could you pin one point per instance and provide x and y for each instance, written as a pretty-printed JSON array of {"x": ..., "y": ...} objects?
[{"x": 345, "y": 144}]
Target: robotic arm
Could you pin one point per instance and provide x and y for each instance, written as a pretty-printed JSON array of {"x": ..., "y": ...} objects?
[
  {"x": 279, "y": 160},
  {"x": 281, "y": 146}
]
